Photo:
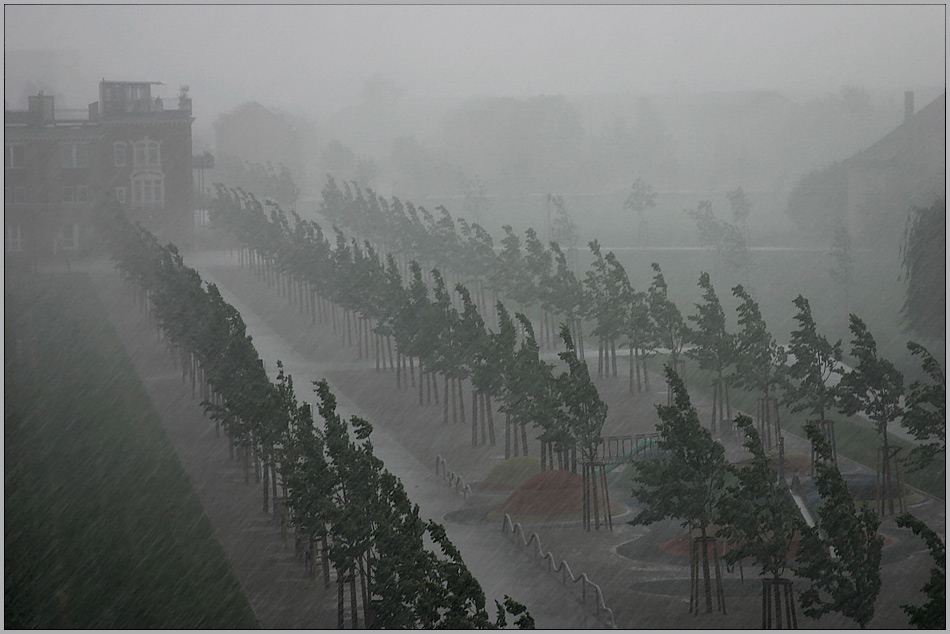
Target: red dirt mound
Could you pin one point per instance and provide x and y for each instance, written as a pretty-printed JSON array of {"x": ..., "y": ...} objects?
[{"x": 551, "y": 495}]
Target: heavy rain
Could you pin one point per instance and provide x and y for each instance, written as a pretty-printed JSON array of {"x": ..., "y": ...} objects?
[{"x": 433, "y": 316}]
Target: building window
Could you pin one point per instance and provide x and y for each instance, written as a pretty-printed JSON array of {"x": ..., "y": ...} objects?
[
  {"x": 82, "y": 194},
  {"x": 75, "y": 154},
  {"x": 120, "y": 194},
  {"x": 148, "y": 189},
  {"x": 147, "y": 152},
  {"x": 12, "y": 239},
  {"x": 13, "y": 156},
  {"x": 119, "y": 154},
  {"x": 68, "y": 194},
  {"x": 19, "y": 195},
  {"x": 202, "y": 218},
  {"x": 68, "y": 238}
]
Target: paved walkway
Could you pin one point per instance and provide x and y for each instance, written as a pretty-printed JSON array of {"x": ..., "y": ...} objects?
[
  {"x": 649, "y": 592},
  {"x": 494, "y": 560}
]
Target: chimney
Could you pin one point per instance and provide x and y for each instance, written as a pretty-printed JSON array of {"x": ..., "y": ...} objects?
[
  {"x": 41, "y": 108},
  {"x": 908, "y": 105}
]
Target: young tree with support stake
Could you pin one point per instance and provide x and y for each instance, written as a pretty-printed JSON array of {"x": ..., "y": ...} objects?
[
  {"x": 760, "y": 364},
  {"x": 849, "y": 581},
  {"x": 875, "y": 387},
  {"x": 581, "y": 413},
  {"x": 668, "y": 324},
  {"x": 816, "y": 361},
  {"x": 713, "y": 349},
  {"x": 761, "y": 519},
  {"x": 686, "y": 481}
]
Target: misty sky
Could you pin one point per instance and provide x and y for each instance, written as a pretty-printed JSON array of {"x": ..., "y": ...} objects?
[{"x": 291, "y": 56}]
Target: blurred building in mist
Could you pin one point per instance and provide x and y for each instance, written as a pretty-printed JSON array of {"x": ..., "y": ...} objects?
[
  {"x": 61, "y": 165},
  {"x": 871, "y": 192},
  {"x": 258, "y": 150}
]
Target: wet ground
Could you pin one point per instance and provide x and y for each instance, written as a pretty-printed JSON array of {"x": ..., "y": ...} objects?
[{"x": 642, "y": 585}]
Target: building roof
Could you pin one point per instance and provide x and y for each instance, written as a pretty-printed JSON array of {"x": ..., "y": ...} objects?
[{"x": 924, "y": 130}]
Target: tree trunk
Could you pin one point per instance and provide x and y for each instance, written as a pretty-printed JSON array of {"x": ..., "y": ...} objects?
[
  {"x": 445, "y": 403},
  {"x": 706, "y": 579},
  {"x": 266, "y": 483},
  {"x": 646, "y": 374},
  {"x": 600, "y": 357},
  {"x": 524, "y": 439},
  {"x": 354, "y": 612},
  {"x": 613, "y": 354},
  {"x": 340, "y": 611},
  {"x": 491, "y": 421}
]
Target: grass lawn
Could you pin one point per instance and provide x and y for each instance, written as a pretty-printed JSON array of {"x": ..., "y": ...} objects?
[{"x": 102, "y": 527}]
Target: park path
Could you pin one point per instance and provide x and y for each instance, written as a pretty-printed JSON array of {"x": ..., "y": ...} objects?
[
  {"x": 500, "y": 566},
  {"x": 494, "y": 560},
  {"x": 275, "y": 582}
]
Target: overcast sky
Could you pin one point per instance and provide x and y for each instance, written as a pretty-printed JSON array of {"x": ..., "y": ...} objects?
[{"x": 296, "y": 55}]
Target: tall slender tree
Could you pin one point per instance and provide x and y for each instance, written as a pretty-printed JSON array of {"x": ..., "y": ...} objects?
[
  {"x": 713, "y": 347},
  {"x": 875, "y": 387},
  {"x": 809, "y": 386},
  {"x": 848, "y": 581},
  {"x": 760, "y": 364},
  {"x": 687, "y": 480}
]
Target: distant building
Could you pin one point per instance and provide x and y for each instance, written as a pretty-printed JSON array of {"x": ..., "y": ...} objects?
[
  {"x": 872, "y": 192},
  {"x": 253, "y": 134},
  {"x": 61, "y": 165}
]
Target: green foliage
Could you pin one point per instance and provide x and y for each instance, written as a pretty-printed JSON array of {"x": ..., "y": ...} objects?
[
  {"x": 760, "y": 360},
  {"x": 337, "y": 488},
  {"x": 687, "y": 480},
  {"x": 759, "y": 515},
  {"x": 932, "y": 615},
  {"x": 849, "y": 581},
  {"x": 923, "y": 263},
  {"x": 713, "y": 346},
  {"x": 874, "y": 386},
  {"x": 925, "y": 414},
  {"x": 816, "y": 361},
  {"x": 581, "y": 411},
  {"x": 666, "y": 318}
]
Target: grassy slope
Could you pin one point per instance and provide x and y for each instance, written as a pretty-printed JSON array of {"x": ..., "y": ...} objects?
[{"x": 102, "y": 527}]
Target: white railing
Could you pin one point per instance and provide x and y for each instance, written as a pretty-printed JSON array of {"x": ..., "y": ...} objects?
[
  {"x": 455, "y": 480},
  {"x": 563, "y": 568}
]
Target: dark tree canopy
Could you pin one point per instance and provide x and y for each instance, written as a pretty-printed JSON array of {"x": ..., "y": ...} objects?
[
  {"x": 850, "y": 582},
  {"x": 925, "y": 414},
  {"x": 923, "y": 263},
  {"x": 932, "y": 615}
]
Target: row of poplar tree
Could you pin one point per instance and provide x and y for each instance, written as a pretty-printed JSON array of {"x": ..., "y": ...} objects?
[
  {"x": 455, "y": 342},
  {"x": 445, "y": 335},
  {"x": 337, "y": 491}
]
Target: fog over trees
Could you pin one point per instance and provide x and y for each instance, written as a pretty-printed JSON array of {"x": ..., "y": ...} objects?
[{"x": 346, "y": 278}]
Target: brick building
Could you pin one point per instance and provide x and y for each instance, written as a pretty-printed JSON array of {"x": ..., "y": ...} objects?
[{"x": 60, "y": 165}]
